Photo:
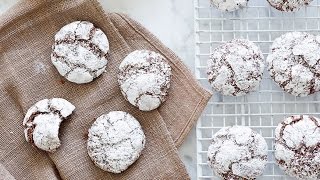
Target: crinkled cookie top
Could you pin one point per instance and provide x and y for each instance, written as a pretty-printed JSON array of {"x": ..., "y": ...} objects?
[
  {"x": 80, "y": 52},
  {"x": 115, "y": 141},
  {"x": 144, "y": 79},
  {"x": 42, "y": 122},
  {"x": 294, "y": 63},
  {"x": 288, "y": 5},
  {"x": 237, "y": 153},
  {"x": 229, "y": 5},
  {"x": 297, "y": 146},
  {"x": 235, "y": 68}
]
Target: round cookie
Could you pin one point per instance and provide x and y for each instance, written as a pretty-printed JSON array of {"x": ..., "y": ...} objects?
[
  {"x": 42, "y": 122},
  {"x": 288, "y": 5},
  {"x": 115, "y": 141},
  {"x": 80, "y": 52},
  {"x": 229, "y": 5},
  {"x": 294, "y": 63},
  {"x": 297, "y": 146},
  {"x": 235, "y": 67},
  {"x": 237, "y": 152},
  {"x": 144, "y": 79}
]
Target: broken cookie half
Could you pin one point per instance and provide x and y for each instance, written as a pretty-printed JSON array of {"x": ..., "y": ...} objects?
[{"x": 42, "y": 122}]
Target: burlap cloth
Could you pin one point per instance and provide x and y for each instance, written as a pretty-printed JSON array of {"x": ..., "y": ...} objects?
[{"x": 27, "y": 76}]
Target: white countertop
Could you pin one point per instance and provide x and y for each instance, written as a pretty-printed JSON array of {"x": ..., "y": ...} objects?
[{"x": 172, "y": 22}]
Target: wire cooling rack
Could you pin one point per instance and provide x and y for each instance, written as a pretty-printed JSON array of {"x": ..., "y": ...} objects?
[{"x": 261, "y": 110}]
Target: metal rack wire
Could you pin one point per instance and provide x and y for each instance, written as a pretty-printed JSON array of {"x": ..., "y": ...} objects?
[{"x": 261, "y": 110}]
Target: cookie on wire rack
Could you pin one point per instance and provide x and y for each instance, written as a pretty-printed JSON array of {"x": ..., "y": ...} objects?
[
  {"x": 229, "y": 5},
  {"x": 294, "y": 63},
  {"x": 297, "y": 146},
  {"x": 289, "y": 5},
  {"x": 115, "y": 141},
  {"x": 235, "y": 68},
  {"x": 237, "y": 152}
]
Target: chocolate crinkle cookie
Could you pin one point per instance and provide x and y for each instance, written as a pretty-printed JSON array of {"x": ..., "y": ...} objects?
[
  {"x": 115, "y": 141},
  {"x": 42, "y": 122},
  {"x": 144, "y": 78},
  {"x": 235, "y": 68},
  {"x": 288, "y": 5},
  {"x": 80, "y": 52},
  {"x": 294, "y": 63},
  {"x": 229, "y": 5},
  {"x": 297, "y": 146},
  {"x": 237, "y": 152}
]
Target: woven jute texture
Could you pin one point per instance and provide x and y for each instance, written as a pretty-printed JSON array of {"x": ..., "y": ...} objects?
[{"x": 27, "y": 75}]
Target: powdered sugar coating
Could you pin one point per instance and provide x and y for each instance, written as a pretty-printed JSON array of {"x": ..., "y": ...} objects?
[
  {"x": 294, "y": 63},
  {"x": 229, "y": 5},
  {"x": 115, "y": 141},
  {"x": 42, "y": 122},
  {"x": 144, "y": 79},
  {"x": 80, "y": 52},
  {"x": 297, "y": 146},
  {"x": 237, "y": 152},
  {"x": 288, "y": 5},
  {"x": 235, "y": 68}
]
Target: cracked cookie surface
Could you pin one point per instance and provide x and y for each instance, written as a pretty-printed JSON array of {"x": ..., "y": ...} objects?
[
  {"x": 294, "y": 63},
  {"x": 237, "y": 152},
  {"x": 288, "y": 5},
  {"x": 144, "y": 79},
  {"x": 115, "y": 141},
  {"x": 42, "y": 122},
  {"x": 235, "y": 68},
  {"x": 229, "y": 5},
  {"x": 80, "y": 52},
  {"x": 297, "y": 146}
]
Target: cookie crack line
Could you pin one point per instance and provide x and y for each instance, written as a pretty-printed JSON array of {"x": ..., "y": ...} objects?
[
  {"x": 152, "y": 67},
  {"x": 287, "y": 6},
  {"x": 251, "y": 147},
  {"x": 233, "y": 81},
  {"x": 294, "y": 121},
  {"x": 80, "y": 52},
  {"x": 42, "y": 122},
  {"x": 84, "y": 43},
  {"x": 302, "y": 165},
  {"x": 73, "y": 66},
  {"x": 144, "y": 77},
  {"x": 31, "y": 128},
  {"x": 120, "y": 133}
]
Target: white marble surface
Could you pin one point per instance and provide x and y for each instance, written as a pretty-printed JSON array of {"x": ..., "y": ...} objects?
[{"x": 172, "y": 22}]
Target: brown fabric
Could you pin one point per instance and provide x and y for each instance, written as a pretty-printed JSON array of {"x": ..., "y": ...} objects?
[
  {"x": 4, "y": 174},
  {"x": 27, "y": 76}
]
